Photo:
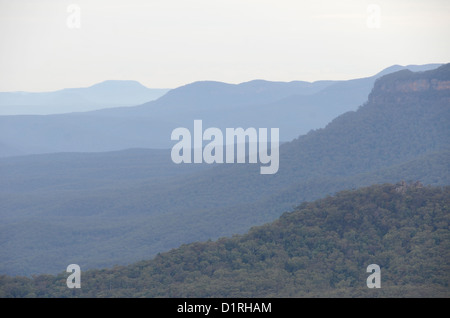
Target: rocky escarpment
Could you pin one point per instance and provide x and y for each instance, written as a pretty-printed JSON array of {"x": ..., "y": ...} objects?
[
  {"x": 405, "y": 84},
  {"x": 419, "y": 85}
]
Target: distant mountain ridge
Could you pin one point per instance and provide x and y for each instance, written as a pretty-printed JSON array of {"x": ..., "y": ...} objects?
[
  {"x": 295, "y": 108},
  {"x": 107, "y": 94}
]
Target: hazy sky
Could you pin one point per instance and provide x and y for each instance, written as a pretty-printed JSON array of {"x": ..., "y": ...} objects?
[{"x": 48, "y": 45}]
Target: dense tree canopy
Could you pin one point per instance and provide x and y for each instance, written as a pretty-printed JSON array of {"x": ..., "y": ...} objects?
[{"x": 320, "y": 249}]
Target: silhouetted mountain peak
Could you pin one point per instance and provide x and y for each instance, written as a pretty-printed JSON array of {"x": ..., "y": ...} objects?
[
  {"x": 203, "y": 95},
  {"x": 414, "y": 68},
  {"x": 112, "y": 84}
]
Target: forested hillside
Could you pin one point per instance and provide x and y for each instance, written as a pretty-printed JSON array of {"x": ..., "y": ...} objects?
[
  {"x": 51, "y": 218},
  {"x": 320, "y": 249}
]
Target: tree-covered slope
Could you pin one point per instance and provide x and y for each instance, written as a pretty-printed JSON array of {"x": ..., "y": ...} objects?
[
  {"x": 401, "y": 133},
  {"x": 320, "y": 249}
]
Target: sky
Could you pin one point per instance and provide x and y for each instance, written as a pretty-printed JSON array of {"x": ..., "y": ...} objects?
[{"x": 46, "y": 45}]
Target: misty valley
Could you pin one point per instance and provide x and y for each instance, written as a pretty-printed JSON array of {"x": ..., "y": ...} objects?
[{"x": 319, "y": 180}]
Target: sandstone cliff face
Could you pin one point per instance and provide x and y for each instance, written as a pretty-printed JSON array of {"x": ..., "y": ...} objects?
[
  {"x": 402, "y": 86},
  {"x": 419, "y": 85}
]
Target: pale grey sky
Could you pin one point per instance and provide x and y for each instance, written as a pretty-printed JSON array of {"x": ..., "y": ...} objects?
[{"x": 168, "y": 43}]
